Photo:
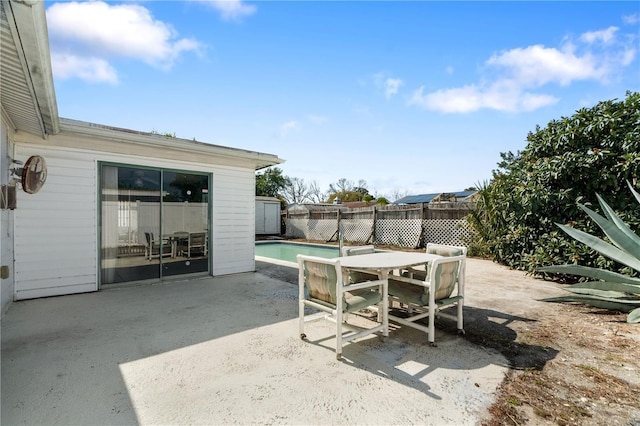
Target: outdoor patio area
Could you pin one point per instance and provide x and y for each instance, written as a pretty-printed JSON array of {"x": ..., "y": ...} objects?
[{"x": 227, "y": 350}]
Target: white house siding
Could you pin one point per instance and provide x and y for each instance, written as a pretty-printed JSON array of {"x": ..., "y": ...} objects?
[
  {"x": 56, "y": 228},
  {"x": 6, "y": 225},
  {"x": 233, "y": 221},
  {"x": 56, "y": 247}
]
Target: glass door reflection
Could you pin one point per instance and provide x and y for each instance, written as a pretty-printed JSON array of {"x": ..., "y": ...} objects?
[
  {"x": 132, "y": 247},
  {"x": 185, "y": 222}
]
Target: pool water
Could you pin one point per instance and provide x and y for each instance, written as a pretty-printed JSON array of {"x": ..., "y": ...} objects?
[{"x": 288, "y": 251}]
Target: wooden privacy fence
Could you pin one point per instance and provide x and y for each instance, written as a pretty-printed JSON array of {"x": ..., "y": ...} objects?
[{"x": 402, "y": 226}]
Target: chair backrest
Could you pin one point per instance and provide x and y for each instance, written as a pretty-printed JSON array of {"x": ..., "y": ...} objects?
[
  {"x": 197, "y": 238},
  {"x": 321, "y": 277},
  {"x": 354, "y": 251},
  {"x": 447, "y": 274},
  {"x": 446, "y": 250}
]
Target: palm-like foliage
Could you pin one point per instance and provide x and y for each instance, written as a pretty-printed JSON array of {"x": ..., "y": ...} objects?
[{"x": 609, "y": 290}]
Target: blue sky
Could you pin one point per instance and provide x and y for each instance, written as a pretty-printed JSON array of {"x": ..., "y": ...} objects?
[{"x": 411, "y": 97}]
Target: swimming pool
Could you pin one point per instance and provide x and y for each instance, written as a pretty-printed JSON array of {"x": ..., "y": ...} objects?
[{"x": 285, "y": 252}]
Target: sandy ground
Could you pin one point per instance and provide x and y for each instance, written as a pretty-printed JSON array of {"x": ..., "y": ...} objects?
[{"x": 226, "y": 351}]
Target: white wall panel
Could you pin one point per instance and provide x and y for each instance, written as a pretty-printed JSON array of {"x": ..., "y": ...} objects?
[
  {"x": 56, "y": 228},
  {"x": 233, "y": 222}
]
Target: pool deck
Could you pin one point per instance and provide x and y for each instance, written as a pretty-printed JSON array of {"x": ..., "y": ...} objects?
[{"x": 226, "y": 350}]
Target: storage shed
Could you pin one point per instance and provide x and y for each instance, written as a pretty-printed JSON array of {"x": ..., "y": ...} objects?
[
  {"x": 267, "y": 216},
  {"x": 116, "y": 205}
]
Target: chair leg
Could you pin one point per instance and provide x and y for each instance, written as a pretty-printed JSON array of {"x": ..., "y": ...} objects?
[
  {"x": 301, "y": 319},
  {"x": 432, "y": 328},
  {"x": 339, "y": 320}
]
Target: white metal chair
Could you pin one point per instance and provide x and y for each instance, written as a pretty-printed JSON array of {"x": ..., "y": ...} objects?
[
  {"x": 322, "y": 287},
  {"x": 197, "y": 243},
  {"x": 154, "y": 248},
  {"x": 356, "y": 276},
  {"x": 425, "y": 292}
]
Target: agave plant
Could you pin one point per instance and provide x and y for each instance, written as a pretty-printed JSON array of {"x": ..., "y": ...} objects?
[{"x": 608, "y": 290}]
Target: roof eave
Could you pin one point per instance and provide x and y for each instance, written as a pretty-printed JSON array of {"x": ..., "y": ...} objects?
[
  {"x": 27, "y": 19},
  {"x": 260, "y": 159}
]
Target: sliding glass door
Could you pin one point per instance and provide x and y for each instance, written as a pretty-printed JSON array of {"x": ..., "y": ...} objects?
[
  {"x": 185, "y": 222},
  {"x": 155, "y": 223}
]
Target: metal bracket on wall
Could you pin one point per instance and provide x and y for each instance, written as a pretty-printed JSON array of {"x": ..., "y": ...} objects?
[{"x": 7, "y": 197}]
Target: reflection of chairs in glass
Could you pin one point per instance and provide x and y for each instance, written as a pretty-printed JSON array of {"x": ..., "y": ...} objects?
[
  {"x": 197, "y": 243},
  {"x": 156, "y": 249}
]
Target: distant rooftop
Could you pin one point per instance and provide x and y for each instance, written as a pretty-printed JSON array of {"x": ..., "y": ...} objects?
[{"x": 440, "y": 196}]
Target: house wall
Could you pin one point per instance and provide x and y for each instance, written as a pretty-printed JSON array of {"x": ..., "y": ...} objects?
[
  {"x": 56, "y": 240},
  {"x": 6, "y": 225}
]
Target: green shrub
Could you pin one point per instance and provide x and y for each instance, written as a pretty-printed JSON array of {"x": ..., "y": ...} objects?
[{"x": 594, "y": 151}]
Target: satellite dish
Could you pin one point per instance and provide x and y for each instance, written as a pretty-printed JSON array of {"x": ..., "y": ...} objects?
[{"x": 34, "y": 174}]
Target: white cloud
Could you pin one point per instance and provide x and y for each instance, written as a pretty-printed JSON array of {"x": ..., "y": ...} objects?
[
  {"x": 93, "y": 70},
  {"x": 231, "y": 9},
  {"x": 391, "y": 86},
  {"x": 287, "y": 127},
  {"x": 512, "y": 75},
  {"x": 537, "y": 65},
  {"x": 631, "y": 19},
  {"x": 604, "y": 36},
  {"x": 94, "y": 32},
  {"x": 472, "y": 98}
]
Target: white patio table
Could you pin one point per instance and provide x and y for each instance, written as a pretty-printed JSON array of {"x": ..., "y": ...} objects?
[{"x": 385, "y": 262}]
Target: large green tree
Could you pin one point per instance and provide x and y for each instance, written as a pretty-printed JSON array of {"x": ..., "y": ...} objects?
[
  {"x": 271, "y": 182},
  {"x": 571, "y": 160}
]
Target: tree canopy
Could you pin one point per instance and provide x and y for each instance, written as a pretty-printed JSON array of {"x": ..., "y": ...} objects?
[
  {"x": 595, "y": 151},
  {"x": 271, "y": 182}
]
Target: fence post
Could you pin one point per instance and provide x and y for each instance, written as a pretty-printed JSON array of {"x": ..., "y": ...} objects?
[
  {"x": 373, "y": 227},
  {"x": 423, "y": 226}
]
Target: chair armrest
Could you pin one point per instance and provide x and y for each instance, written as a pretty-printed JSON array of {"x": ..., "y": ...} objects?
[
  {"x": 409, "y": 280},
  {"x": 364, "y": 284}
]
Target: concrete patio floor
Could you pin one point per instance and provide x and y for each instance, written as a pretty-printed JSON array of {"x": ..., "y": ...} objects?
[{"x": 226, "y": 351}]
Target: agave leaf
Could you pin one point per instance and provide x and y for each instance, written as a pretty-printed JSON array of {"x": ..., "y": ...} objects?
[
  {"x": 610, "y": 285},
  {"x": 603, "y": 247},
  {"x": 609, "y": 294},
  {"x": 634, "y": 316},
  {"x": 610, "y": 299},
  {"x": 617, "y": 236},
  {"x": 589, "y": 272},
  {"x": 631, "y": 242},
  {"x": 633, "y": 191},
  {"x": 598, "y": 303}
]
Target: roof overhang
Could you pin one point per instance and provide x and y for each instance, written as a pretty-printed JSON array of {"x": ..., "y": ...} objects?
[
  {"x": 83, "y": 135},
  {"x": 27, "y": 98}
]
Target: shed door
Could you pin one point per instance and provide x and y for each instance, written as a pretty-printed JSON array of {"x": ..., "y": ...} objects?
[
  {"x": 260, "y": 210},
  {"x": 271, "y": 218}
]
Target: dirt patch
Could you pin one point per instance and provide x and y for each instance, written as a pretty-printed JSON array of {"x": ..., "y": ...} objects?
[{"x": 593, "y": 379}]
